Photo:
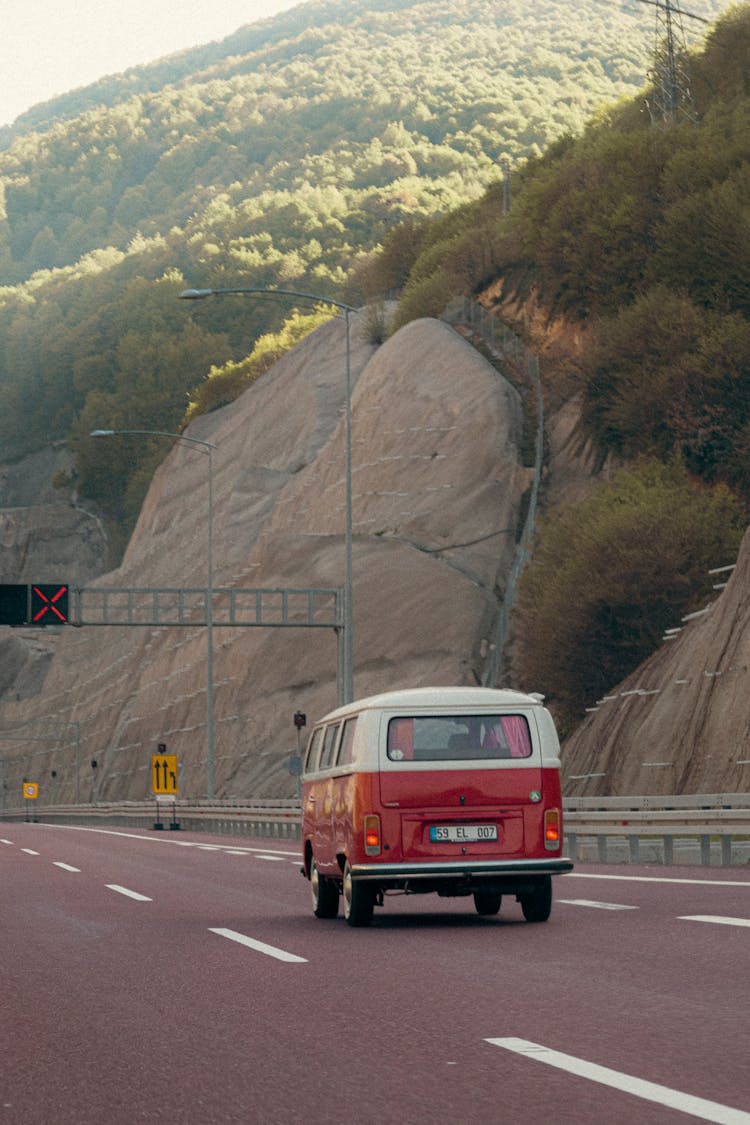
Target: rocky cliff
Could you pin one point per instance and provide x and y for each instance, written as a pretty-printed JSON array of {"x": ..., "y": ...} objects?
[
  {"x": 44, "y": 532},
  {"x": 45, "y": 536},
  {"x": 681, "y": 722},
  {"x": 437, "y": 491}
]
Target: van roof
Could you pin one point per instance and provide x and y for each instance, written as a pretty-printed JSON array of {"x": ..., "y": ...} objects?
[{"x": 454, "y": 697}]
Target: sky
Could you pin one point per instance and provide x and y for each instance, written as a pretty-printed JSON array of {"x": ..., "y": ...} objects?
[{"x": 48, "y": 47}]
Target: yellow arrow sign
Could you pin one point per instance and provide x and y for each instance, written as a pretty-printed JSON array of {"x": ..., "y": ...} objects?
[
  {"x": 30, "y": 790},
  {"x": 164, "y": 773}
]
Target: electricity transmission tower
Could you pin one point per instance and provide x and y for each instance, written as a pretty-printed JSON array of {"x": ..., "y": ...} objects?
[{"x": 670, "y": 100}]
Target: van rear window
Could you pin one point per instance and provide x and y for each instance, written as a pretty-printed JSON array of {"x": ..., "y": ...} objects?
[{"x": 460, "y": 738}]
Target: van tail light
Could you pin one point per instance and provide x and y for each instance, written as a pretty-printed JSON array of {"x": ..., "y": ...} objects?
[
  {"x": 372, "y": 834},
  {"x": 552, "y": 829}
]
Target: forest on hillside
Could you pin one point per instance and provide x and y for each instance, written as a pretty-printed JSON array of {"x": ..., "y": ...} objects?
[
  {"x": 637, "y": 236},
  {"x": 283, "y": 156},
  {"x": 354, "y": 150}
]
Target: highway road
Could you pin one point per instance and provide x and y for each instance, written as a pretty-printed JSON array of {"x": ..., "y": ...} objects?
[{"x": 180, "y": 977}]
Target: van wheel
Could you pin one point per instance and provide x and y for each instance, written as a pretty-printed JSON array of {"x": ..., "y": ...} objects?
[
  {"x": 487, "y": 902},
  {"x": 537, "y": 905},
  {"x": 358, "y": 900},
  {"x": 325, "y": 894}
]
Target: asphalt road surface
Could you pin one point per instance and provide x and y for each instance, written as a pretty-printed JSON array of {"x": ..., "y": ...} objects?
[{"x": 180, "y": 977}]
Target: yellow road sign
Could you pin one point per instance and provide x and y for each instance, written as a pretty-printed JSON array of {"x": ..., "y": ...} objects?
[
  {"x": 164, "y": 773},
  {"x": 30, "y": 790}
]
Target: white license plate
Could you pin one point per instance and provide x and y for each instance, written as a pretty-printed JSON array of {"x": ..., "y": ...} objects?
[{"x": 462, "y": 833}]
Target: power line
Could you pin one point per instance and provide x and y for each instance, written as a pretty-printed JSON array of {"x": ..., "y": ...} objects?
[{"x": 683, "y": 12}]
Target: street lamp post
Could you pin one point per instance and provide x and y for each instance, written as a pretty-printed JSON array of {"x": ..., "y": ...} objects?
[
  {"x": 208, "y": 448},
  {"x": 347, "y": 310}
]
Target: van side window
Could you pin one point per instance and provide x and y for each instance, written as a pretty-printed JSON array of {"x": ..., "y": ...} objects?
[
  {"x": 462, "y": 738},
  {"x": 313, "y": 750},
  {"x": 329, "y": 745},
  {"x": 346, "y": 746}
]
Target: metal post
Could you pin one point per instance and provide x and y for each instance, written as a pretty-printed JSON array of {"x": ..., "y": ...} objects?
[
  {"x": 347, "y": 310},
  {"x": 726, "y": 851},
  {"x": 209, "y": 448},
  {"x": 349, "y": 582},
  {"x": 210, "y": 763},
  {"x": 705, "y": 850},
  {"x": 78, "y": 761}
]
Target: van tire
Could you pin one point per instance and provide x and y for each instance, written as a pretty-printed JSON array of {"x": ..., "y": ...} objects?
[
  {"x": 487, "y": 902},
  {"x": 537, "y": 905},
  {"x": 325, "y": 894},
  {"x": 358, "y": 900}
]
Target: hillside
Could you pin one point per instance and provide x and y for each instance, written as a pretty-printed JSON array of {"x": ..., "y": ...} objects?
[
  {"x": 623, "y": 262},
  {"x": 280, "y": 157}
]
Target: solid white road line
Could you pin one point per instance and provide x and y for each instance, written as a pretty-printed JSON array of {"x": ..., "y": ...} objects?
[
  {"x": 719, "y": 919},
  {"x": 259, "y": 946},
  {"x": 129, "y": 894},
  {"x": 66, "y": 866},
  {"x": 157, "y": 839},
  {"x": 597, "y": 905},
  {"x": 659, "y": 879},
  {"x": 650, "y": 1091}
]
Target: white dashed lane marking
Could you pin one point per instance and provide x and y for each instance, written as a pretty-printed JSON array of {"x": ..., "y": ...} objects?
[
  {"x": 129, "y": 894},
  {"x": 717, "y": 919},
  {"x": 258, "y": 946},
  {"x": 596, "y": 905}
]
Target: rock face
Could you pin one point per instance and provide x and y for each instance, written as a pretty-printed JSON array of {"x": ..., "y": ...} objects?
[
  {"x": 437, "y": 491},
  {"x": 44, "y": 534},
  {"x": 681, "y": 723},
  {"x": 44, "y": 537}
]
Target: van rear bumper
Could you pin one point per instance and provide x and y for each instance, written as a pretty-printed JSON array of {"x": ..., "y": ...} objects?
[{"x": 459, "y": 870}]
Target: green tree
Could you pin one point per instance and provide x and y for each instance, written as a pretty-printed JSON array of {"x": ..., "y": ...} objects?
[{"x": 666, "y": 374}]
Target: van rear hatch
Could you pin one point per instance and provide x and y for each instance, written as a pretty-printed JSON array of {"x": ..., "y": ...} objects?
[{"x": 464, "y": 784}]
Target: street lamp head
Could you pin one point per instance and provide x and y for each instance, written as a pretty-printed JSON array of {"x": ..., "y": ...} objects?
[
  {"x": 205, "y": 445},
  {"x": 196, "y": 294}
]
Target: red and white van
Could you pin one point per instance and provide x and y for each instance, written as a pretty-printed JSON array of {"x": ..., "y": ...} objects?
[{"x": 448, "y": 790}]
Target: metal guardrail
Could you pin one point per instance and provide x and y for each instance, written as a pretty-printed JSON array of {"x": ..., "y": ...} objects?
[
  {"x": 702, "y": 828},
  {"x": 696, "y": 829},
  {"x": 268, "y": 819},
  {"x": 665, "y": 802}
]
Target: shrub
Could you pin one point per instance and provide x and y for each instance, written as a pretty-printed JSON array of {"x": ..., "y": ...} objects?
[{"x": 224, "y": 384}]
